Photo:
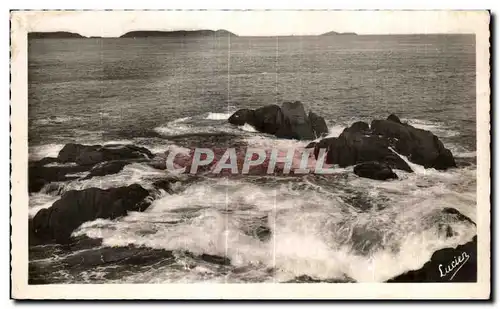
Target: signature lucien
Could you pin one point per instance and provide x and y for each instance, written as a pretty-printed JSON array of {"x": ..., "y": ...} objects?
[{"x": 454, "y": 266}]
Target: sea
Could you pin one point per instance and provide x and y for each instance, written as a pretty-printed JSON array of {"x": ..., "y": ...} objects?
[{"x": 179, "y": 92}]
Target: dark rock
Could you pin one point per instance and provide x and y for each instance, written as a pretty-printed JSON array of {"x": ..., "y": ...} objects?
[
  {"x": 39, "y": 176},
  {"x": 93, "y": 154},
  {"x": 351, "y": 148},
  {"x": 394, "y": 118},
  {"x": 420, "y": 146},
  {"x": 296, "y": 124},
  {"x": 113, "y": 263},
  {"x": 215, "y": 259},
  {"x": 76, "y": 207},
  {"x": 374, "y": 170},
  {"x": 311, "y": 145},
  {"x": 107, "y": 168},
  {"x": 359, "y": 126},
  {"x": 241, "y": 117},
  {"x": 362, "y": 143},
  {"x": 129, "y": 255},
  {"x": 288, "y": 121},
  {"x": 435, "y": 270},
  {"x": 318, "y": 124},
  {"x": 165, "y": 184},
  {"x": 267, "y": 119},
  {"x": 71, "y": 151},
  {"x": 458, "y": 214},
  {"x": 327, "y": 144}
]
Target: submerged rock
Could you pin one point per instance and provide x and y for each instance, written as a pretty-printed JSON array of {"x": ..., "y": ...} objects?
[
  {"x": 374, "y": 170},
  {"x": 318, "y": 124},
  {"x": 78, "y": 206},
  {"x": 288, "y": 121}
]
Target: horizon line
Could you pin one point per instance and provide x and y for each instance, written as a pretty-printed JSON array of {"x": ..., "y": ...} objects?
[{"x": 347, "y": 33}]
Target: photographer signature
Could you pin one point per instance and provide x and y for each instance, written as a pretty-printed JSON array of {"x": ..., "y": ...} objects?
[{"x": 454, "y": 266}]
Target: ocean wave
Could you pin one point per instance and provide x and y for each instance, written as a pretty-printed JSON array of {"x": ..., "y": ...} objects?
[
  {"x": 41, "y": 151},
  {"x": 135, "y": 173},
  {"x": 57, "y": 120},
  {"x": 39, "y": 201},
  {"x": 314, "y": 232},
  {"x": 438, "y": 128}
]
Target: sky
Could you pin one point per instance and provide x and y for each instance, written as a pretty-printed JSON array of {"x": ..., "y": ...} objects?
[{"x": 258, "y": 23}]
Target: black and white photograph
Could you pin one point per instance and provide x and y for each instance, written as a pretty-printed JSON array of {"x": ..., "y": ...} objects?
[{"x": 292, "y": 148}]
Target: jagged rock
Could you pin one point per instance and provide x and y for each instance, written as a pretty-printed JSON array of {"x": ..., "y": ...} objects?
[
  {"x": 352, "y": 147},
  {"x": 93, "y": 154},
  {"x": 106, "y": 168},
  {"x": 359, "y": 126},
  {"x": 374, "y": 170},
  {"x": 379, "y": 142},
  {"x": 288, "y": 121},
  {"x": 394, "y": 118},
  {"x": 318, "y": 124},
  {"x": 39, "y": 176},
  {"x": 420, "y": 146},
  {"x": 241, "y": 117},
  {"x": 78, "y": 206},
  {"x": 267, "y": 119},
  {"x": 296, "y": 124}
]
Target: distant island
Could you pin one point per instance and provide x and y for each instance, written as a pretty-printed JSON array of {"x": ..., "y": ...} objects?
[
  {"x": 338, "y": 33},
  {"x": 178, "y": 33},
  {"x": 54, "y": 35}
]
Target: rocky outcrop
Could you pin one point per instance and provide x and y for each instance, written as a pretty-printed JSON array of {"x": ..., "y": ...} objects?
[
  {"x": 420, "y": 146},
  {"x": 374, "y": 170},
  {"x": 446, "y": 265},
  {"x": 75, "y": 207},
  {"x": 106, "y": 168},
  {"x": 288, "y": 121},
  {"x": 77, "y": 158},
  {"x": 93, "y": 154},
  {"x": 382, "y": 142},
  {"x": 353, "y": 147}
]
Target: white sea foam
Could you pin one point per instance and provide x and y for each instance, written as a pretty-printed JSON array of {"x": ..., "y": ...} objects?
[
  {"x": 313, "y": 232},
  {"x": 218, "y": 116},
  {"x": 248, "y": 128},
  {"x": 439, "y": 129},
  {"x": 190, "y": 125},
  {"x": 42, "y": 151},
  {"x": 39, "y": 201},
  {"x": 135, "y": 173},
  {"x": 335, "y": 130}
]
